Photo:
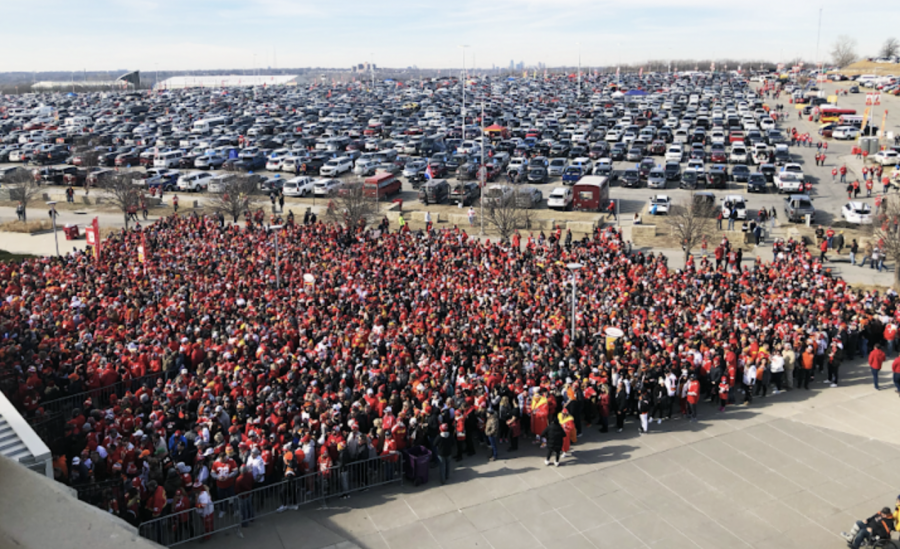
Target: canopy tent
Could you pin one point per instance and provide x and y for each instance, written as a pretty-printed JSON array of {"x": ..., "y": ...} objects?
[{"x": 635, "y": 92}]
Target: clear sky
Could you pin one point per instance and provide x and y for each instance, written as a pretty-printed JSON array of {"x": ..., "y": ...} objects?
[{"x": 222, "y": 34}]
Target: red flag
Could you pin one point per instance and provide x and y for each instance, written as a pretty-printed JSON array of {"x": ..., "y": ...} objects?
[{"x": 92, "y": 235}]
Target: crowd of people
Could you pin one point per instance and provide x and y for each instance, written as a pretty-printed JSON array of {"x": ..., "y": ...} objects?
[{"x": 396, "y": 340}]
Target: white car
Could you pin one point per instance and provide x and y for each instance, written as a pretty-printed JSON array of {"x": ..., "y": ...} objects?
[
  {"x": 884, "y": 158},
  {"x": 299, "y": 186},
  {"x": 659, "y": 204},
  {"x": 517, "y": 164},
  {"x": 289, "y": 164},
  {"x": 560, "y": 198},
  {"x": 336, "y": 166},
  {"x": 274, "y": 164},
  {"x": 858, "y": 213},
  {"x": 364, "y": 166},
  {"x": 218, "y": 183},
  {"x": 613, "y": 135},
  {"x": 195, "y": 181},
  {"x": 845, "y": 132},
  {"x": 738, "y": 155},
  {"x": 735, "y": 202},
  {"x": 796, "y": 169},
  {"x": 325, "y": 186},
  {"x": 674, "y": 154}
]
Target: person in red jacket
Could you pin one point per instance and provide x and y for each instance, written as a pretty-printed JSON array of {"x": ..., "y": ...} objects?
[
  {"x": 895, "y": 368},
  {"x": 224, "y": 470},
  {"x": 693, "y": 397},
  {"x": 876, "y": 358},
  {"x": 242, "y": 487}
]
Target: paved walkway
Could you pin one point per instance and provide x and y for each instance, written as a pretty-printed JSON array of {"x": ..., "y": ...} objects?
[{"x": 790, "y": 471}]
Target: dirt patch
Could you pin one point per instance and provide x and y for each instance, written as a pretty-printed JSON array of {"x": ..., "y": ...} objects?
[
  {"x": 26, "y": 226},
  {"x": 865, "y": 67}
]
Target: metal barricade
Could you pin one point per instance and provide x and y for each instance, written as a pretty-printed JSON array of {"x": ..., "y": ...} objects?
[
  {"x": 95, "y": 493},
  {"x": 100, "y": 396},
  {"x": 289, "y": 494}
]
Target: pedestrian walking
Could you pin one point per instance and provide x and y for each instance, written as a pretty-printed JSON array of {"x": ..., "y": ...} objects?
[
  {"x": 876, "y": 359},
  {"x": 554, "y": 435}
]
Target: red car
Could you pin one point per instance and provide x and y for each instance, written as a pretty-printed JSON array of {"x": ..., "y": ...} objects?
[
  {"x": 718, "y": 155},
  {"x": 128, "y": 159},
  {"x": 658, "y": 147}
]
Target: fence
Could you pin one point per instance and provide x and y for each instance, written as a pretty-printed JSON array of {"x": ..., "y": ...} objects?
[
  {"x": 233, "y": 512},
  {"x": 100, "y": 397}
]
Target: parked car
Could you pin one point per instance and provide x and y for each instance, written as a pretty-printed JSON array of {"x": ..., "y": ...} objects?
[
  {"x": 798, "y": 206},
  {"x": 325, "y": 186},
  {"x": 436, "y": 191},
  {"x": 302, "y": 185},
  {"x": 735, "y": 202},
  {"x": 631, "y": 178},
  {"x": 194, "y": 182},
  {"x": 657, "y": 179},
  {"x": 886, "y": 157},
  {"x": 659, "y": 204},
  {"x": 756, "y": 183},
  {"x": 529, "y": 197},
  {"x": 336, "y": 166},
  {"x": 465, "y": 193},
  {"x": 858, "y": 213},
  {"x": 560, "y": 198}
]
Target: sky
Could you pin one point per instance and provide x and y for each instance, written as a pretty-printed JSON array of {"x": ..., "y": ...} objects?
[{"x": 150, "y": 35}]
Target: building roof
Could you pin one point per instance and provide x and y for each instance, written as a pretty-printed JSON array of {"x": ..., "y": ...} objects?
[{"x": 225, "y": 81}]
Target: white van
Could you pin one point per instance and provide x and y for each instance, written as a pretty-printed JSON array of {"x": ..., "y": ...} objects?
[{"x": 168, "y": 159}]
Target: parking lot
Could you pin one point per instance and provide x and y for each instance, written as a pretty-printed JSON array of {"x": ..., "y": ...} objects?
[{"x": 275, "y": 133}]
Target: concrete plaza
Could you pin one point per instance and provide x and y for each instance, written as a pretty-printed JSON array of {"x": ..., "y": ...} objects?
[{"x": 789, "y": 471}]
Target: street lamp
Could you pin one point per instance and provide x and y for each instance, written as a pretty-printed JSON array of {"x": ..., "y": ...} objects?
[
  {"x": 574, "y": 268},
  {"x": 464, "y": 93},
  {"x": 52, "y": 205},
  {"x": 276, "y": 228}
]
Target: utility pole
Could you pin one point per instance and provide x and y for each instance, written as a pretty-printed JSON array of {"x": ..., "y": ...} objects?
[
  {"x": 579, "y": 69},
  {"x": 463, "y": 127},
  {"x": 482, "y": 171},
  {"x": 818, "y": 37}
]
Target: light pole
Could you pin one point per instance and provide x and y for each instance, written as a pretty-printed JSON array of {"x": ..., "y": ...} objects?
[
  {"x": 482, "y": 171},
  {"x": 464, "y": 93},
  {"x": 276, "y": 228},
  {"x": 574, "y": 268},
  {"x": 52, "y": 205},
  {"x": 579, "y": 69}
]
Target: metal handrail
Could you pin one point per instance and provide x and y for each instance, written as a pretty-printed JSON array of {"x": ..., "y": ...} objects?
[{"x": 232, "y": 512}]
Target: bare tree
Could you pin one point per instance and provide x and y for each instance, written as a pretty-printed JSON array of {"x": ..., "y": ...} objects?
[
  {"x": 890, "y": 48},
  {"x": 122, "y": 192},
  {"x": 237, "y": 196},
  {"x": 23, "y": 188},
  {"x": 351, "y": 205},
  {"x": 690, "y": 221},
  {"x": 886, "y": 232},
  {"x": 843, "y": 51},
  {"x": 505, "y": 212}
]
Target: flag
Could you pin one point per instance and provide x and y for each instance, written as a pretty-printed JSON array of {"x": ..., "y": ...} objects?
[
  {"x": 641, "y": 72},
  {"x": 428, "y": 173},
  {"x": 141, "y": 250},
  {"x": 617, "y": 72},
  {"x": 92, "y": 235}
]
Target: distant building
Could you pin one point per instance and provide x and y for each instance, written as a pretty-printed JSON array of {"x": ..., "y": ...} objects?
[
  {"x": 128, "y": 80},
  {"x": 227, "y": 81}
]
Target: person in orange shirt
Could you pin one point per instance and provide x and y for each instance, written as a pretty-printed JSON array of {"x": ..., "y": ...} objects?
[{"x": 807, "y": 360}]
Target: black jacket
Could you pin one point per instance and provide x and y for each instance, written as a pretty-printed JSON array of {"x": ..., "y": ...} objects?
[
  {"x": 881, "y": 526},
  {"x": 554, "y": 434},
  {"x": 445, "y": 446}
]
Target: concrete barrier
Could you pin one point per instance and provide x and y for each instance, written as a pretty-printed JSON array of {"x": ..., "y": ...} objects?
[
  {"x": 586, "y": 227},
  {"x": 643, "y": 231},
  {"x": 436, "y": 217},
  {"x": 461, "y": 220}
]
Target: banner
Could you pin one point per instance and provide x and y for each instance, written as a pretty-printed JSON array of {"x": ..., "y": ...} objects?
[
  {"x": 882, "y": 132},
  {"x": 141, "y": 251},
  {"x": 92, "y": 235},
  {"x": 864, "y": 120}
]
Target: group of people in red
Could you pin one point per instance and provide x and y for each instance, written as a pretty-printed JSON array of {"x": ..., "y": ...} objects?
[{"x": 398, "y": 339}]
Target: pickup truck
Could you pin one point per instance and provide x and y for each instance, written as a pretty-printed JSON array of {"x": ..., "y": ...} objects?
[
  {"x": 572, "y": 175},
  {"x": 788, "y": 182}
]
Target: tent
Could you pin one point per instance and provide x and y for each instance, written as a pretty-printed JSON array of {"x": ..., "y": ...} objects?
[
  {"x": 633, "y": 93},
  {"x": 496, "y": 130}
]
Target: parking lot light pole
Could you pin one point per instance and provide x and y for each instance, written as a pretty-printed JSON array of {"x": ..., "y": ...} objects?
[
  {"x": 574, "y": 268},
  {"x": 482, "y": 171},
  {"x": 276, "y": 228},
  {"x": 52, "y": 205},
  {"x": 463, "y": 127}
]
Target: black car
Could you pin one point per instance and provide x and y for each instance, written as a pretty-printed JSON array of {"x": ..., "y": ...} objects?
[
  {"x": 467, "y": 193},
  {"x": 769, "y": 171},
  {"x": 689, "y": 180},
  {"x": 757, "y": 183},
  {"x": 560, "y": 150},
  {"x": 673, "y": 171},
  {"x": 537, "y": 174},
  {"x": 618, "y": 152},
  {"x": 740, "y": 173},
  {"x": 631, "y": 178},
  {"x": 717, "y": 178},
  {"x": 467, "y": 171}
]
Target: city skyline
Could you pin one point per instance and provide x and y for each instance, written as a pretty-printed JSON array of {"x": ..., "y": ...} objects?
[{"x": 205, "y": 35}]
